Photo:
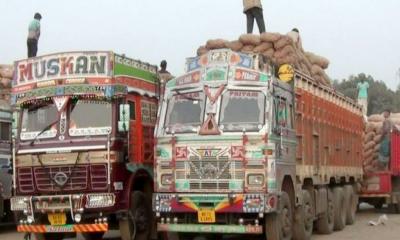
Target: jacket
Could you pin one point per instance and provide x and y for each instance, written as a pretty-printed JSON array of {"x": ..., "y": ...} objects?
[{"x": 248, "y": 4}]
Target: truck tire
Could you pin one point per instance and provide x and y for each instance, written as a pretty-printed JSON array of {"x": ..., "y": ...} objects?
[
  {"x": 325, "y": 222},
  {"x": 339, "y": 208},
  {"x": 93, "y": 236},
  {"x": 138, "y": 224},
  {"x": 279, "y": 225},
  {"x": 351, "y": 201},
  {"x": 304, "y": 218}
]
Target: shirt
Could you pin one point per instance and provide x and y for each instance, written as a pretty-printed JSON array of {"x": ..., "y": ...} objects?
[
  {"x": 362, "y": 89},
  {"x": 34, "y": 29},
  {"x": 248, "y": 4}
]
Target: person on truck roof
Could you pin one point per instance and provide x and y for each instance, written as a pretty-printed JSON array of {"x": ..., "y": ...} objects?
[
  {"x": 363, "y": 95},
  {"x": 384, "y": 150},
  {"x": 295, "y": 36},
  {"x": 253, "y": 10},
  {"x": 33, "y": 35}
]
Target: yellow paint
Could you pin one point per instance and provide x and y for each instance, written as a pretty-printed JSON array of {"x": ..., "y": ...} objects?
[{"x": 286, "y": 73}]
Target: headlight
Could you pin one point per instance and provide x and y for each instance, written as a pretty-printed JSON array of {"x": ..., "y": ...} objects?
[
  {"x": 255, "y": 179},
  {"x": 19, "y": 204},
  {"x": 100, "y": 200},
  {"x": 166, "y": 179}
]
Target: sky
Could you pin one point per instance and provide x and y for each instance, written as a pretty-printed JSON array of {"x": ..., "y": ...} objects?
[{"x": 355, "y": 35}]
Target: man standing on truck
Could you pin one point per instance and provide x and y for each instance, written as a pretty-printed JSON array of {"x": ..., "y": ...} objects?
[
  {"x": 363, "y": 95},
  {"x": 384, "y": 150},
  {"x": 33, "y": 35},
  {"x": 253, "y": 10}
]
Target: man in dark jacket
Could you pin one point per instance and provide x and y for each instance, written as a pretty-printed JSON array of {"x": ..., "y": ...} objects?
[{"x": 253, "y": 10}]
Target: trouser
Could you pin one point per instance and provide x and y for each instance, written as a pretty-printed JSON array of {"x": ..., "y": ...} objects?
[
  {"x": 364, "y": 104},
  {"x": 32, "y": 47},
  {"x": 256, "y": 13}
]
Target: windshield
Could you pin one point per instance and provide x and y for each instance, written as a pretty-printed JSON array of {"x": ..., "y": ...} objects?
[
  {"x": 37, "y": 117},
  {"x": 242, "y": 110},
  {"x": 185, "y": 112},
  {"x": 90, "y": 117}
]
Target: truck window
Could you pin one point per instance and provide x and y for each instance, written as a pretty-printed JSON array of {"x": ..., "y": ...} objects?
[
  {"x": 132, "y": 110},
  {"x": 5, "y": 133},
  {"x": 242, "y": 110},
  {"x": 185, "y": 112},
  {"x": 89, "y": 114},
  {"x": 37, "y": 117}
]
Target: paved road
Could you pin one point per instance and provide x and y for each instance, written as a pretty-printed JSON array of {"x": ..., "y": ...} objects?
[{"x": 359, "y": 231}]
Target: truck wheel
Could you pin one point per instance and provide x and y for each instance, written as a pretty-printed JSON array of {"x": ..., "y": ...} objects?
[
  {"x": 326, "y": 221},
  {"x": 304, "y": 218},
  {"x": 351, "y": 201},
  {"x": 138, "y": 224},
  {"x": 278, "y": 226},
  {"x": 339, "y": 208}
]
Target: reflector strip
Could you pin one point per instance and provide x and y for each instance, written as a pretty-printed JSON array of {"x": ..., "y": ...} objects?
[{"x": 79, "y": 228}]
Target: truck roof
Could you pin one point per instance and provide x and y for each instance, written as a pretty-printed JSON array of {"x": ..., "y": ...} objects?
[{"x": 102, "y": 73}]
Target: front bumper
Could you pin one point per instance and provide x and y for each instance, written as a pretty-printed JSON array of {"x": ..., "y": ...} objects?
[
  {"x": 220, "y": 203},
  {"x": 74, "y": 205},
  {"x": 70, "y": 228},
  {"x": 210, "y": 228}
]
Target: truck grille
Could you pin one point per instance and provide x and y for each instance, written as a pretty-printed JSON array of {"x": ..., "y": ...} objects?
[
  {"x": 78, "y": 179},
  {"x": 209, "y": 173}
]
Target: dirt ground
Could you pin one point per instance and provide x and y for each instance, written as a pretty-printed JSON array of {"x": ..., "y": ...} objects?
[{"x": 359, "y": 231}]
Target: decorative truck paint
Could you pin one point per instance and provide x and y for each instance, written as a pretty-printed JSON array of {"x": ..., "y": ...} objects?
[
  {"x": 236, "y": 146},
  {"x": 81, "y": 153}
]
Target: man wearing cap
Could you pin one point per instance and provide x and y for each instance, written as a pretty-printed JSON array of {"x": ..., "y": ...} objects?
[
  {"x": 253, "y": 10},
  {"x": 33, "y": 35}
]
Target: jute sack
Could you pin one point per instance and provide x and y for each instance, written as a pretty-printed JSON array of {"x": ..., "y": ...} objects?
[
  {"x": 234, "y": 45},
  {"x": 369, "y": 136},
  {"x": 250, "y": 39},
  {"x": 269, "y": 53},
  {"x": 286, "y": 60},
  {"x": 5, "y": 83},
  {"x": 377, "y": 138},
  {"x": 317, "y": 70},
  {"x": 376, "y": 149},
  {"x": 395, "y": 115},
  {"x": 247, "y": 48},
  {"x": 318, "y": 60},
  {"x": 6, "y": 71},
  {"x": 375, "y": 118},
  {"x": 285, "y": 51},
  {"x": 282, "y": 42},
  {"x": 216, "y": 44},
  {"x": 369, "y": 146},
  {"x": 270, "y": 37},
  {"x": 264, "y": 46},
  {"x": 202, "y": 50}
]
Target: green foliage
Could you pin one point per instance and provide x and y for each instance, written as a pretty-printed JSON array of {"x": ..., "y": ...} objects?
[{"x": 379, "y": 96}]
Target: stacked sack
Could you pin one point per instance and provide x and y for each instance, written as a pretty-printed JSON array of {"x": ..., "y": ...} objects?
[
  {"x": 279, "y": 48},
  {"x": 6, "y": 75},
  {"x": 372, "y": 140}
]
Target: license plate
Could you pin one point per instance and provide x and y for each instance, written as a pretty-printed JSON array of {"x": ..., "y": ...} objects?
[
  {"x": 57, "y": 218},
  {"x": 206, "y": 216}
]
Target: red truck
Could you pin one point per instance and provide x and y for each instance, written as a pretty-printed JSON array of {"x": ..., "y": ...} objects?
[
  {"x": 383, "y": 187},
  {"x": 83, "y": 151}
]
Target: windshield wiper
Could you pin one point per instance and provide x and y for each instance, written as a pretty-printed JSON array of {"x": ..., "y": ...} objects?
[
  {"x": 44, "y": 130},
  {"x": 185, "y": 97}
]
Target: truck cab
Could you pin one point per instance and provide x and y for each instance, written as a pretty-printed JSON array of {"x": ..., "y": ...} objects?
[{"x": 83, "y": 148}]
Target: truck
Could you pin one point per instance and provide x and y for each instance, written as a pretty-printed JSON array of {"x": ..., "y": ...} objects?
[
  {"x": 383, "y": 186},
  {"x": 5, "y": 160},
  {"x": 83, "y": 152},
  {"x": 245, "y": 147}
]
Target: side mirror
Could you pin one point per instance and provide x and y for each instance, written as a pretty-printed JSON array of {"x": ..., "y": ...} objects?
[{"x": 124, "y": 117}]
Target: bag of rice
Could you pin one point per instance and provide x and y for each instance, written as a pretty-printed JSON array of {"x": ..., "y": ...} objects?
[
  {"x": 270, "y": 37},
  {"x": 216, "y": 44},
  {"x": 264, "y": 46},
  {"x": 234, "y": 45},
  {"x": 201, "y": 50},
  {"x": 250, "y": 39}
]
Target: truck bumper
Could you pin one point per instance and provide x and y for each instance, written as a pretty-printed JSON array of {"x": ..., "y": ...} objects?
[
  {"x": 212, "y": 228},
  {"x": 70, "y": 228}
]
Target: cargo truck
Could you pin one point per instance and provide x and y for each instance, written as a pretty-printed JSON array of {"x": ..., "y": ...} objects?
[
  {"x": 83, "y": 151},
  {"x": 5, "y": 160},
  {"x": 383, "y": 187},
  {"x": 246, "y": 147}
]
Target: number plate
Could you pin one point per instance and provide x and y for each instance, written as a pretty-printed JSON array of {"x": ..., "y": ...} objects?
[
  {"x": 206, "y": 216},
  {"x": 57, "y": 218}
]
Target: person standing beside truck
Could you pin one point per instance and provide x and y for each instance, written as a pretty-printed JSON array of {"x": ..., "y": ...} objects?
[
  {"x": 33, "y": 35},
  {"x": 363, "y": 95},
  {"x": 253, "y": 10}
]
